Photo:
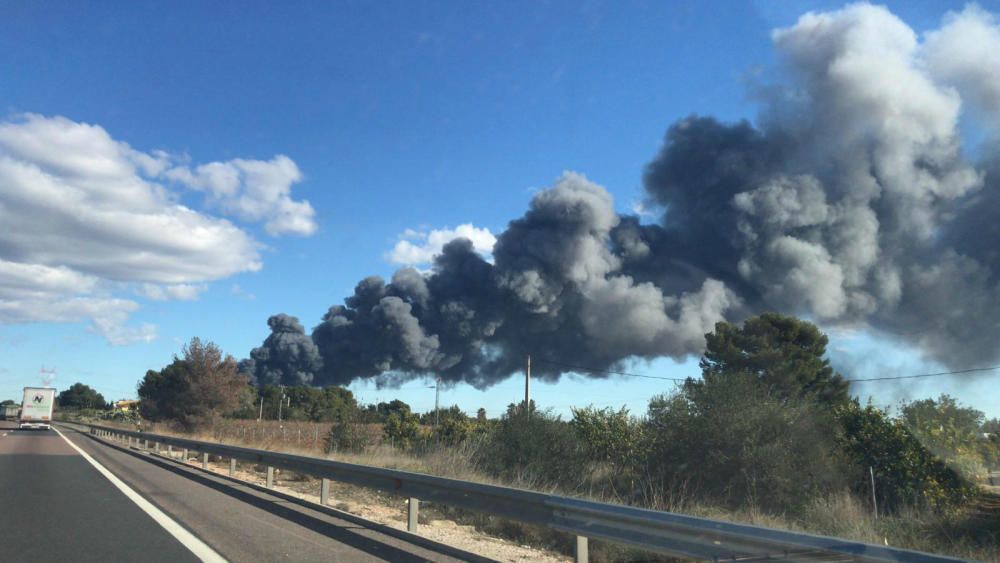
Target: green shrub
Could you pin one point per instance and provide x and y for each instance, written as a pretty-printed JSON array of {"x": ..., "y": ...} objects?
[
  {"x": 401, "y": 428},
  {"x": 454, "y": 430},
  {"x": 345, "y": 435},
  {"x": 735, "y": 443},
  {"x": 612, "y": 437},
  {"x": 534, "y": 447},
  {"x": 906, "y": 473}
]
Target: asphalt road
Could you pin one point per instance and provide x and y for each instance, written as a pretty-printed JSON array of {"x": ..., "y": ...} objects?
[{"x": 55, "y": 506}]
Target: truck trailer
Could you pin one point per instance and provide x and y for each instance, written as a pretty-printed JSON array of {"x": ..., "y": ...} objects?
[
  {"x": 36, "y": 408},
  {"x": 9, "y": 412}
]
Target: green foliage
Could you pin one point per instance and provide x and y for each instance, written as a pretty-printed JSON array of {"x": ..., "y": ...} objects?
[
  {"x": 124, "y": 417},
  {"x": 991, "y": 442},
  {"x": 82, "y": 397},
  {"x": 381, "y": 411},
  {"x": 536, "y": 446},
  {"x": 401, "y": 427},
  {"x": 613, "y": 437},
  {"x": 345, "y": 434},
  {"x": 952, "y": 432},
  {"x": 454, "y": 427},
  {"x": 735, "y": 442},
  {"x": 8, "y": 402},
  {"x": 305, "y": 403},
  {"x": 194, "y": 388},
  {"x": 785, "y": 354},
  {"x": 906, "y": 473}
]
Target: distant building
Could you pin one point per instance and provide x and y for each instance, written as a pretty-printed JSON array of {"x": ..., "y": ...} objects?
[{"x": 125, "y": 405}]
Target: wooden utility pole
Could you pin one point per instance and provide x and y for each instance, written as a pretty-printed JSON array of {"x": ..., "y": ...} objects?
[
  {"x": 437, "y": 396},
  {"x": 871, "y": 471},
  {"x": 527, "y": 387},
  {"x": 281, "y": 401}
]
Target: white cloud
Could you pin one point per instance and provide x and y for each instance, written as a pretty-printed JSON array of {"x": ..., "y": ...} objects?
[
  {"x": 175, "y": 292},
  {"x": 253, "y": 190},
  {"x": 242, "y": 293},
  {"x": 84, "y": 215},
  {"x": 420, "y": 247},
  {"x": 113, "y": 328}
]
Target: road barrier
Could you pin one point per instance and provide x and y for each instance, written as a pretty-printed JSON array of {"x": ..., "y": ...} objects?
[{"x": 676, "y": 535}]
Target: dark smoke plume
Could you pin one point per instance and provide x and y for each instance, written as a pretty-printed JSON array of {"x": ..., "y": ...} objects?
[
  {"x": 850, "y": 201},
  {"x": 288, "y": 355}
]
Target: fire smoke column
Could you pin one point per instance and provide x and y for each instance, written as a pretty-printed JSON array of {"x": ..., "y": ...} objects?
[{"x": 287, "y": 357}]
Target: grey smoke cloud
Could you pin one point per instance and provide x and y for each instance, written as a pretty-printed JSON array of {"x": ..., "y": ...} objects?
[
  {"x": 849, "y": 201},
  {"x": 287, "y": 357},
  {"x": 556, "y": 290}
]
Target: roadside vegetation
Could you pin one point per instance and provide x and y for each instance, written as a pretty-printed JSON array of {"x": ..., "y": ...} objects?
[{"x": 769, "y": 436}]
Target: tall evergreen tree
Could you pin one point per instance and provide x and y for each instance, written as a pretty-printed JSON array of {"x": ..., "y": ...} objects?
[{"x": 784, "y": 354}]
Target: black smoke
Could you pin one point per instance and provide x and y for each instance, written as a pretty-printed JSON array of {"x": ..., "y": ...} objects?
[
  {"x": 288, "y": 355},
  {"x": 850, "y": 201}
]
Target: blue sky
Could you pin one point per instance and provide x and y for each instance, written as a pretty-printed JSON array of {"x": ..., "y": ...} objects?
[{"x": 397, "y": 115}]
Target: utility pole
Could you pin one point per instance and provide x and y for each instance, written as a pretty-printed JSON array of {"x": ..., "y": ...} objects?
[
  {"x": 47, "y": 375},
  {"x": 437, "y": 402},
  {"x": 871, "y": 471},
  {"x": 260, "y": 415},
  {"x": 281, "y": 401},
  {"x": 527, "y": 387}
]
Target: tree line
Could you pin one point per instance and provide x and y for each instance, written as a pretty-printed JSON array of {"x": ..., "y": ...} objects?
[{"x": 769, "y": 420}]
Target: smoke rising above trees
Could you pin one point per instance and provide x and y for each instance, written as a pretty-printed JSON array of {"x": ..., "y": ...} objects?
[{"x": 850, "y": 200}]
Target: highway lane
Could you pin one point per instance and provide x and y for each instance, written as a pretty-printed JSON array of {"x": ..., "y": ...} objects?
[
  {"x": 245, "y": 524},
  {"x": 55, "y": 506}
]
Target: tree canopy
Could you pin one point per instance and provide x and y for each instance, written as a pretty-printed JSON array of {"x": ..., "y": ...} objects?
[
  {"x": 307, "y": 403},
  {"x": 199, "y": 385},
  {"x": 81, "y": 396},
  {"x": 784, "y": 354}
]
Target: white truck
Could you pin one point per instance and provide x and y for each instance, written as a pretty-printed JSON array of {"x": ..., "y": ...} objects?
[{"x": 36, "y": 408}]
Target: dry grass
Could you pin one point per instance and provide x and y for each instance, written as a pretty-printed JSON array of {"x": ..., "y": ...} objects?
[{"x": 969, "y": 534}]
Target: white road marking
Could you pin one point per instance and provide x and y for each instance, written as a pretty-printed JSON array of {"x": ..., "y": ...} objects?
[{"x": 200, "y": 549}]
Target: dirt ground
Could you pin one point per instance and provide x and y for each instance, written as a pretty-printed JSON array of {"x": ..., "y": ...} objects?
[{"x": 391, "y": 511}]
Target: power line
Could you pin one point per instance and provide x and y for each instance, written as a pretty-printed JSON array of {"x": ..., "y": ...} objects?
[
  {"x": 609, "y": 371},
  {"x": 957, "y": 372},
  {"x": 853, "y": 380}
]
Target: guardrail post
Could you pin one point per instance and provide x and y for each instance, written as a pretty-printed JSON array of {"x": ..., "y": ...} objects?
[
  {"x": 145, "y": 444},
  {"x": 581, "y": 554},
  {"x": 270, "y": 477},
  {"x": 184, "y": 455},
  {"x": 232, "y": 467},
  {"x": 156, "y": 447},
  {"x": 170, "y": 451},
  {"x": 324, "y": 492},
  {"x": 204, "y": 460},
  {"x": 412, "y": 511}
]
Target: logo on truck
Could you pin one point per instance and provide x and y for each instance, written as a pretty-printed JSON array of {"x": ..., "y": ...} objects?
[{"x": 38, "y": 398}]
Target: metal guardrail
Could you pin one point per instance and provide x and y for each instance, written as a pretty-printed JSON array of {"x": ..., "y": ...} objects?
[{"x": 676, "y": 535}]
